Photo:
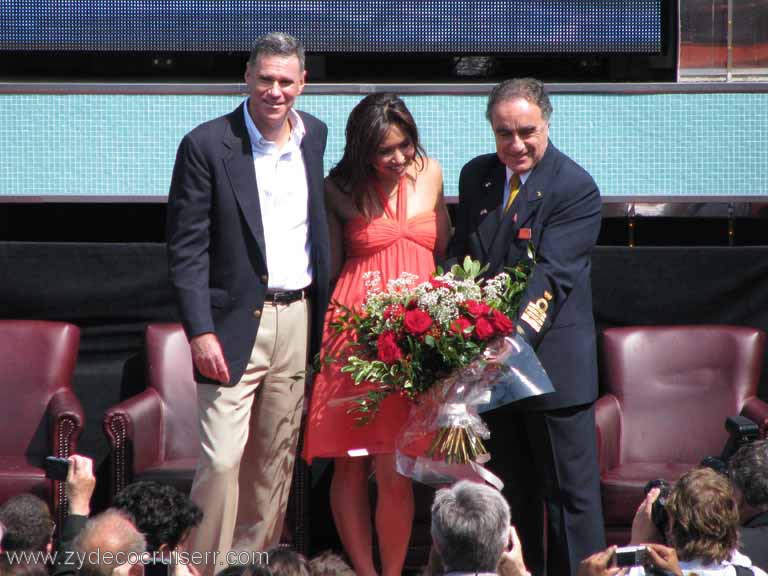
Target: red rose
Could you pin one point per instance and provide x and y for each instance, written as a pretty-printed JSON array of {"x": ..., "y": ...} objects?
[
  {"x": 459, "y": 325},
  {"x": 417, "y": 321},
  {"x": 438, "y": 283},
  {"x": 483, "y": 328},
  {"x": 389, "y": 351},
  {"x": 393, "y": 311},
  {"x": 476, "y": 309},
  {"x": 501, "y": 322}
]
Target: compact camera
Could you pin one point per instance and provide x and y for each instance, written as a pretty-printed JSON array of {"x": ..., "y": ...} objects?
[
  {"x": 630, "y": 556},
  {"x": 56, "y": 468}
]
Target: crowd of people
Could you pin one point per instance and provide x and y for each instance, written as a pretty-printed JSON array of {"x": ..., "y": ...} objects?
[
  {"x": 716, "y": 525},
  {"x": 146, "y": 530},
  {"x": 260, "y": 242}
]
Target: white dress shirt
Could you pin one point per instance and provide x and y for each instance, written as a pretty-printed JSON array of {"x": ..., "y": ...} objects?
[{"x": 281, "y": 180}]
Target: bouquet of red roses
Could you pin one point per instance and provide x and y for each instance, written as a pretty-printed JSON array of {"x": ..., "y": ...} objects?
[
  {"x": 448, "y": 344},
  {"x": 409, "y": 336}
]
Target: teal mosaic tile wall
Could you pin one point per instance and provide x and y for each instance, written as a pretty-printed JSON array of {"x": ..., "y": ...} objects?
[{"x": 124, "y": 145}]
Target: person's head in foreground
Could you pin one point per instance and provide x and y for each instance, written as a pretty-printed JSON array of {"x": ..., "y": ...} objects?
[
  {"x": 162, "y": 513},
  {"x": 110, "y": 543},
  {"x": 748, "y": 470},
  {"x": 704, "y": 518},
  {"x": 470, "y": 527}
]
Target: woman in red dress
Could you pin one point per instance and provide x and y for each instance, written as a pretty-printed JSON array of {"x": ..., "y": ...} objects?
[{"x": 386, "y": 214}]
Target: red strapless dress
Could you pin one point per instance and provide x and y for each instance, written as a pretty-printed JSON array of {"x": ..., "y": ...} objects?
[{"x": 389, "y": 244}]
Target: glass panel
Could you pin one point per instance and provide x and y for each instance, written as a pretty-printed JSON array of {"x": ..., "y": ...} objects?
[
  {"x": 750, "y": 37},
  {"x": 703, "y": 38}
]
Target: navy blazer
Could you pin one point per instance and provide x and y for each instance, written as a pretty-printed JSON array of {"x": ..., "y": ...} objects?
[
  {"x": 216, "y": 252},
  {"x": 558, "y": 207}
]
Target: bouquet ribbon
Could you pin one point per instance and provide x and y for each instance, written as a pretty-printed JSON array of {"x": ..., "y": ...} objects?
[{"x": 442, "y": 440}]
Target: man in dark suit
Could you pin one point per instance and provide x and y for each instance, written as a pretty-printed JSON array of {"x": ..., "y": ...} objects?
[
  {"x": 248, "y": 256},
  {"x": 748, "y": 470},
  {"x": 530, "y": 193}
]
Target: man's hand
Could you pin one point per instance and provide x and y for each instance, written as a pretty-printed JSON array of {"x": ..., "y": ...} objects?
[
  {"x": 209, "y": 358},
  {"x": 511, "y": 562},
  {"x": 80, "y": 484},
  {"x": 665, "y": 558},
  {"x": 643, "y": 528},
  {"x": 599, "y": 564}
]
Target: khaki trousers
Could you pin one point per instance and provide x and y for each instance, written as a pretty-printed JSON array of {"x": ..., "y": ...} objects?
[{"x": 248, "y": 435}]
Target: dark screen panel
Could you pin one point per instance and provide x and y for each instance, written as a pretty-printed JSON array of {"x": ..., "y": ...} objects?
[{"x": 335, "y": 26}]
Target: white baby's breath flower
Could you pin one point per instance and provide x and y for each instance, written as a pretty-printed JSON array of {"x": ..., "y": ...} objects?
[
  {"x": 372, "y": 280},
  {"x": 494, "y": 288},
  {"x": 402, "y": 282}
]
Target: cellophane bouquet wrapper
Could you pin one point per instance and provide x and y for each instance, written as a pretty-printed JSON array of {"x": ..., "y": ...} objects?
[{"x": 442, "y": 440}]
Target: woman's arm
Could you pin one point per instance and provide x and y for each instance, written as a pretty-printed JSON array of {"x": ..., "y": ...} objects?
[
  {"x": 443, "y": 219},
  {"x": 335, "y": 228}
]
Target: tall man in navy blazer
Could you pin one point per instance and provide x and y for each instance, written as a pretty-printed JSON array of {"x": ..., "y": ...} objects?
[
  {"x": 543, "y": 447},
  {"x": 248, "y": 256}
]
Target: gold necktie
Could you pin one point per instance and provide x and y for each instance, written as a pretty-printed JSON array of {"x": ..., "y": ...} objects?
[{"x": 514, "y": 188}]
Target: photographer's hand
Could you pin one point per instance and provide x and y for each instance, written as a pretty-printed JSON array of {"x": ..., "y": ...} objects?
[
  {"x": 643, "y": 528},
  {"x": 665, "y": 558},
  {"x": 599, "y": 564},
  {"x": 511, "y": 562},
  {"x": 80, "y": 484}
]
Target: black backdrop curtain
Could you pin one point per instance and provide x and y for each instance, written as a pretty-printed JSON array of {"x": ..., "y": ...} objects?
[{"x": 112, "y": 290}]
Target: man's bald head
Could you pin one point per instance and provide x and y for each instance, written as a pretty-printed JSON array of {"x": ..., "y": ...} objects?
[{"x": 109, "y": 542}]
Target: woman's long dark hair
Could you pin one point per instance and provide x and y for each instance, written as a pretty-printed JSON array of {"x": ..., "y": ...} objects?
[{"x": 366, "y": 128}]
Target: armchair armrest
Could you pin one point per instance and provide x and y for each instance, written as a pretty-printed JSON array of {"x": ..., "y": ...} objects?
[
  {"x": 66, "y": 417},
  {"x": 757, "y": 411},
  {"x": 134, "y": 428},
  {"x": 608, "y": 429}
]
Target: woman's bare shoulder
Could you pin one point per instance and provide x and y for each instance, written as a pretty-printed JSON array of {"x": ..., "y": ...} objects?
[
  {"x": 339, "y": 201},
  {"x": 431, "y": 170},
  {"x": 432, "y": 175},
  {"x": 432, "y": 166}
]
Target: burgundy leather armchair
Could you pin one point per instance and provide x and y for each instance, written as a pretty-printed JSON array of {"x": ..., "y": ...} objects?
[
  {"x": 668, "y": 391},
  {"x": 40, "y": 413},
  {"x": 154, "y": 435}
]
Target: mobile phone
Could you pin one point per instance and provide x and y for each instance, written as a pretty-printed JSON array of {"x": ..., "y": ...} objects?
[
  {"x": 630, "y": 556},
  {"x": 56, "y": 468}
]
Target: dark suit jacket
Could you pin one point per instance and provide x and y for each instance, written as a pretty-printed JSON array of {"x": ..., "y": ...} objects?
[
  {"x": 559, "y": 205},
  {"x": 66, "y": 559},
  {"x": 754, "y": 540},
  {"x": 216, "y": 252}
]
